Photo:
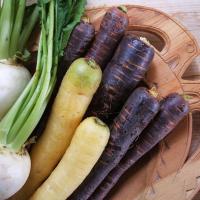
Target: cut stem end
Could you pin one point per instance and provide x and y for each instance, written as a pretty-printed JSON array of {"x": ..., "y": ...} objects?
[
  {"x": 123, "y": 8},
  {"x": 154, "y": 92}
]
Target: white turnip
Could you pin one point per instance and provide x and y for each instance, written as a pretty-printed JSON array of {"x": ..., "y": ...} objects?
[
  {"x": 13, "y": 80},
  {"x": 14, "y": 170}
]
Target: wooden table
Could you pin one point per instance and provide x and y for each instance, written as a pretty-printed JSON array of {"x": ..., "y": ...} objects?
[{"x": 188, "y": 13}]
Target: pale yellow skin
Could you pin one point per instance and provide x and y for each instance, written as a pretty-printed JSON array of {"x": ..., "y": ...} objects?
[
  {"x": 86, "y": 147},
  {"x": 75, "y": 94}
]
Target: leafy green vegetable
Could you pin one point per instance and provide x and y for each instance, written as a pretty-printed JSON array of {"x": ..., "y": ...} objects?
[
  {"x": 13, "y": 35},
  {"x": 58, "y": 18},
  {"x": 71, "y": 17}
]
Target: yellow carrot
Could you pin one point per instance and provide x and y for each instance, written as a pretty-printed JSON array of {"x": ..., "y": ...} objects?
[
  {"x": 87, "y": 145},
  {"x": 77, "y": 89}
]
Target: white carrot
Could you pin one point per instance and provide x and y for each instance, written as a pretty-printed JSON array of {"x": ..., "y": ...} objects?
[{"x": 87, "y": 145}]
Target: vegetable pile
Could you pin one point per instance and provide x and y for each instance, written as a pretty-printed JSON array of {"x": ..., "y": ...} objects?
[{"x": 82, "y": 82}]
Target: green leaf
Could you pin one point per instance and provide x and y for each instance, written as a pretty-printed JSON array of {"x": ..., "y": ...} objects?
[
  {"x": 67, "y": 19},
  {"x": 6, "y": 25},
  {"x": 25, "y": 56},
  {"x": 13, "y": 33},
  {"x": 40, "y": 2}
]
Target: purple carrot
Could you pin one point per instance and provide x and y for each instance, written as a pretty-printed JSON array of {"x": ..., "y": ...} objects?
[
  {"x": 80, "y": 39},
  {"x": 112, "y": 28},
  {"x": 173, "y": 109},
  {"x": 126, "y": 69}
]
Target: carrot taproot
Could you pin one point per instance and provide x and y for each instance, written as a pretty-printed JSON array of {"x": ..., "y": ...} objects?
[
  {"x": 173, "y": 109},
  {"x": 136, "y": 114},
  {"x": 80, "y": 39},
  {"x": 76, "y": 91},
  {"x": 126, "y": 69},
  {"x": 112, "y": 28},
  {"x": 86, "y": 147}
]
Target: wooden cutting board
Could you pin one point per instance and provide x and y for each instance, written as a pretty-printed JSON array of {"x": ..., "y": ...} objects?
[{"x": 176, "y": 49}]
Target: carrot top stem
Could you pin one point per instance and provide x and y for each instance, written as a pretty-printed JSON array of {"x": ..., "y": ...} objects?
[
  {"x": 146, "y": 41},
  {"x": 85, "y": 19},
  {"x": 91, "y": 63},
  {"x": 154, "y": 92},
  {"x": 99, "y": 122},
  {"x": 186, "y": 97},
  {"x": 123, "y": 8}
]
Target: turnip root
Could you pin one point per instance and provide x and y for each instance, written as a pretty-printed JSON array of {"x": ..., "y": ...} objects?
[
  {"x": 14, "y": 171},
  {"x": 13, "y": 80}
]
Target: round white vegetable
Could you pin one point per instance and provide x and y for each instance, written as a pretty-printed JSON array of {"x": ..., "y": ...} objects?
[
  {"x": 13, "y": 80},
  {"x": 16, "y": 169}
]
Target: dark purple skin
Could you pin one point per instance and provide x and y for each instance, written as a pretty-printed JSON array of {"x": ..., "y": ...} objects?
[
  {"x": 80, "y": 39},
  {"x": 127, "y": 68},
  {"x": 173, "y": 109},
  {"x": 135, "y": 115},
  {"x": 112, "y": 29}
]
